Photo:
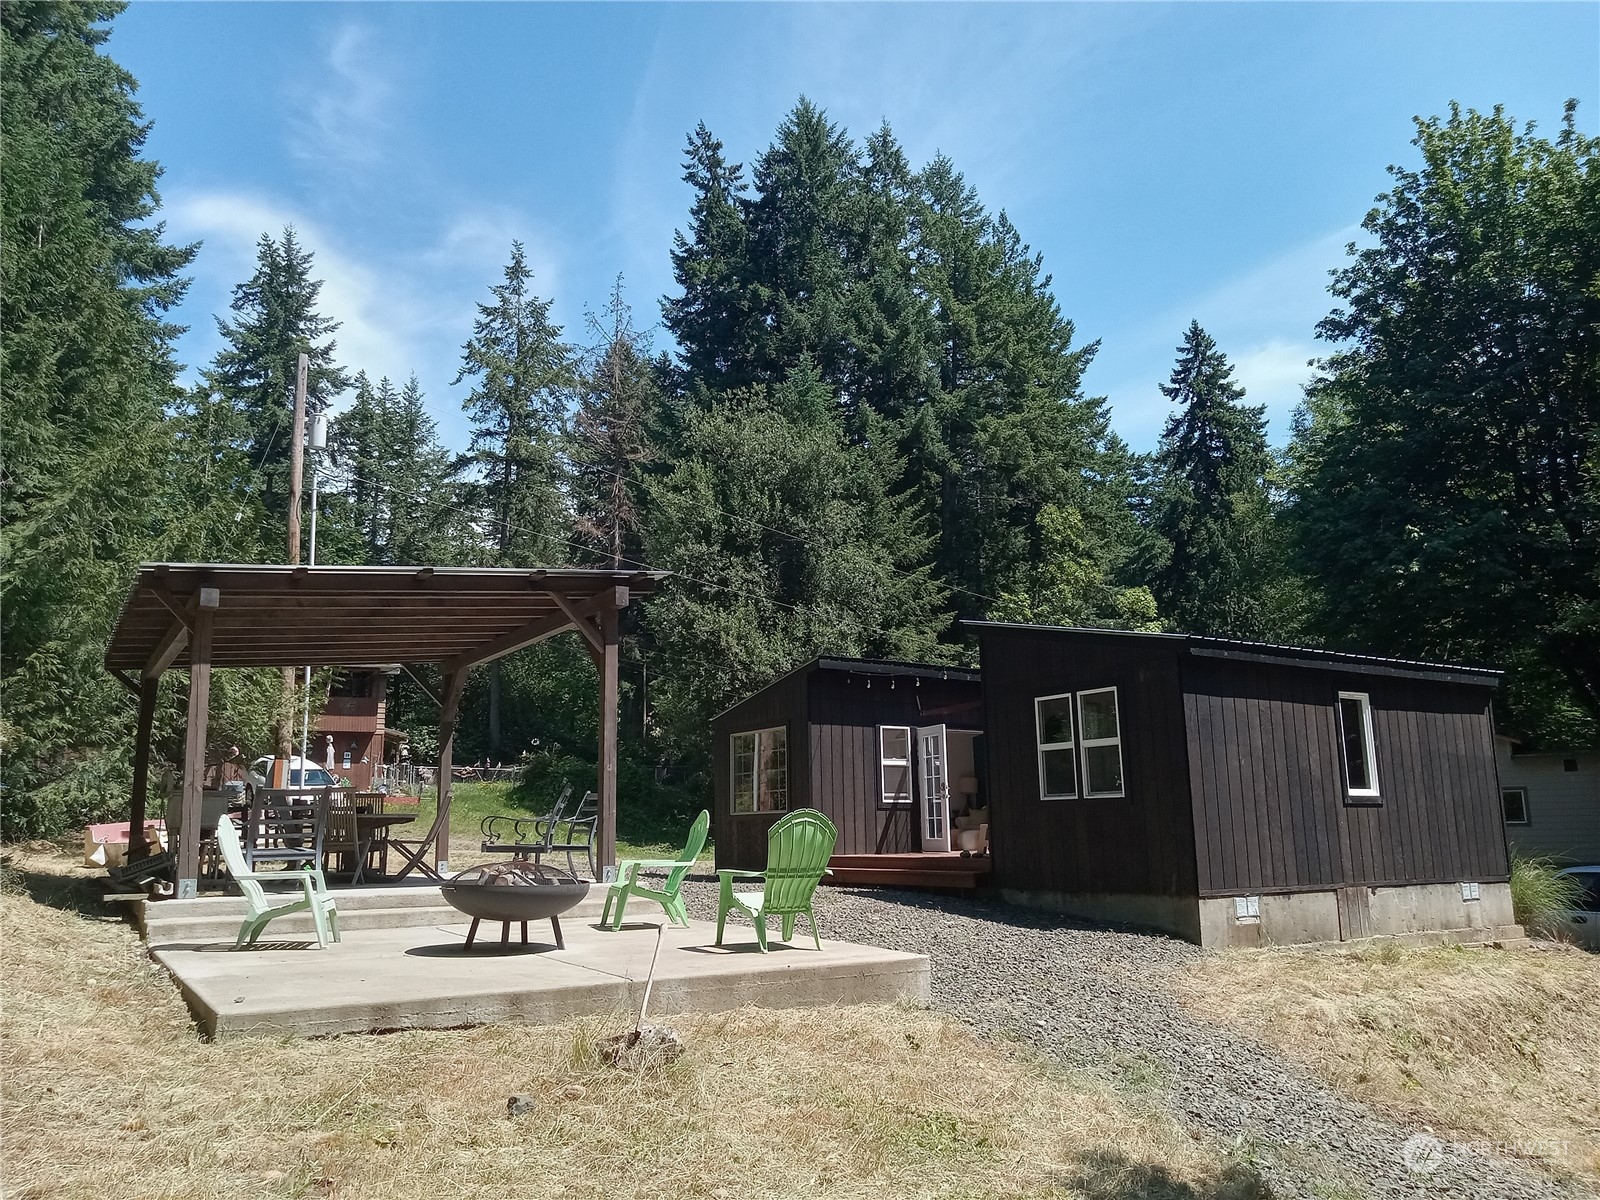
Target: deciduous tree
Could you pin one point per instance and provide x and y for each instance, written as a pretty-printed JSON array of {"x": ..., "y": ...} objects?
[{"x": 1447, "y": 481}]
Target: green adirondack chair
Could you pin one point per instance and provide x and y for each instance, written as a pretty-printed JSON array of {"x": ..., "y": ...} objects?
[
  {"x": 315, "y": 898},
  {"x": 798, "y": 849},
  {"x": 628, "y": 883}
]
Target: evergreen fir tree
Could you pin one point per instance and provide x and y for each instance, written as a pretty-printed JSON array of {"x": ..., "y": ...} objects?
[
  {"x": 610, "y": 438},
  {"x": 275, "y": 320},
  {"x": 427, "y": 523},
  {"x": 788, "y": 544},
  {"x": 523, "y": 375},
  {"x": 1212, "y": 511},
  {"x": 218, "y": 514},
  {"x": 86, "y": 278},
  {"x": 710, "y": 318}
]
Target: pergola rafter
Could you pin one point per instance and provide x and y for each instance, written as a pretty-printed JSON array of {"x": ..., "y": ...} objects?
[{"x": 197, "y": 616}]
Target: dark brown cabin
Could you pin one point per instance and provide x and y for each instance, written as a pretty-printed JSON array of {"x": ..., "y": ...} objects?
[
  {"x": 866, "y": 742},
  {"x": 1239, "y": 793}
]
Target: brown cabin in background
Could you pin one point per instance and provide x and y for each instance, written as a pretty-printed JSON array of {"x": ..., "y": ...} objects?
[
  {"x": 353, "y": 718},
  {"x": 1230, "y": 792}
]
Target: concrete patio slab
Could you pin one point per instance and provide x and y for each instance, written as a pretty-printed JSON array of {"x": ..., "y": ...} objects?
[{"x": 423, "y": 977}]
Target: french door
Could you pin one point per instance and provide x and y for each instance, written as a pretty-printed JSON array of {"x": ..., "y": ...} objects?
[{"x": 933, "y": 774}]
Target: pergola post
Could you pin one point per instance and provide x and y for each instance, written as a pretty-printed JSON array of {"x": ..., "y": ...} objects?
[
  {"x": 194, "y": 748},
  {"x": 449, "y": 703},
  {"x": 148, "y": 689},
  {"x": 606, "y": 850}
]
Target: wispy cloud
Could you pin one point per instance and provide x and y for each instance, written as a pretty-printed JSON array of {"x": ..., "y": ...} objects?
[
  {"x": 1264, "y": 320},
  {"x": 406, "y": 311},
  {"x": 343, "y": 110}
]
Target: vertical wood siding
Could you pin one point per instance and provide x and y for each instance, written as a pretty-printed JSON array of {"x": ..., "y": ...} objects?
[
  {"x": 741, "y": 841},
  {"x": 1270, "y": 811},
  {"x": 1142, "y": 843},
  {"x": 845, "y": 716}
]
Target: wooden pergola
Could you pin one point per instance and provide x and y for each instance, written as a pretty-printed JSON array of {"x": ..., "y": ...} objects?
[{"x": 203, "y": 615}]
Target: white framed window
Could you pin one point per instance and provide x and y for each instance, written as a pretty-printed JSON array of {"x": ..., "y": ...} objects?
[
  {"x": 1514, "y": 804},
  {"x": 1058, "y": 761},
  {"x": 1355, "y": 745},
  {"x": 760, "y": 770},
  {"x": 894, "y": 764},
  {"x": 1100, "y": 742}
]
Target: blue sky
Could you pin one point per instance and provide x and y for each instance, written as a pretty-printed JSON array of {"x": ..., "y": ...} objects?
[{"x": 1169, "y": 161}]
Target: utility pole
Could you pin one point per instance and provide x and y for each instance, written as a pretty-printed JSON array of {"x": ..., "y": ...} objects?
[
  {"x": 297, "y": 466},
  {"x": 297, "y": 458},
  {"x": 319, "y": 441}
]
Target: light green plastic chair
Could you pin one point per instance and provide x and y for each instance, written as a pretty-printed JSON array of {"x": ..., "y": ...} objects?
[
  {"x": 628, "y": 884},
  {"x": 315, "y": 899},
  {"x": 798, "y": 849}
]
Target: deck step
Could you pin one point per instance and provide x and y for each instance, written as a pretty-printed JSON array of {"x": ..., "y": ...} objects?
[
  {"x": 408, "y": 908},
  {"x": 907, "y": 870},
  {"x": 961, "y": 864}
]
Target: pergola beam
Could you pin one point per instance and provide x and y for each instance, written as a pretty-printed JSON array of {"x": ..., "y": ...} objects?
[
  {"x": 454, "y": 683},
  {"x": 194, "y": 746},
  {"x": 527, "y": 635},
  {"x": 580, "y": 620},
  {"x": 147, "y": 691},
  {"x": 172, "y": 644}
]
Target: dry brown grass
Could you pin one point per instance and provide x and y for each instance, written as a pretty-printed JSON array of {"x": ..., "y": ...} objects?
[
  {"x": 1497, "y": 1046},
  {"x": 108, "y": 1092}
]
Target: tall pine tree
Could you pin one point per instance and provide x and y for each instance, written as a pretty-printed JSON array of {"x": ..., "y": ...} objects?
[
  {"x": 787, "y": 544},
  {"x": 1220, "y": 568},
  {"x": 610, "y": 444},
  {"x": 86, "y": 278},
  {"x": 522, "y": 377},
  {"x": 275, "y": 320}
]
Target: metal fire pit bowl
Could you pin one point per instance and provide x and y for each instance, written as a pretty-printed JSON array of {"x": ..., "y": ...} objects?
[{"x": 514, "y": 892}]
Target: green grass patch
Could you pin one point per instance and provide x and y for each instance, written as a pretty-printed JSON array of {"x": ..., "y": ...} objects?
[{"x": 649, "y": 825}]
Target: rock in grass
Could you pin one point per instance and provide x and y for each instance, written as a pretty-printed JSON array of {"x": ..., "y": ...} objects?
[{"x": 641, "y": 1049}]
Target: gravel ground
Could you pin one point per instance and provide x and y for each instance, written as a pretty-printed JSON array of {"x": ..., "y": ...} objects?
[{"x": 1091, "y": 996}]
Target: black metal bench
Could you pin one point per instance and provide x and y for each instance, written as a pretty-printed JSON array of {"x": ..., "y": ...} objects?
[{"x": 524, "y": 837}]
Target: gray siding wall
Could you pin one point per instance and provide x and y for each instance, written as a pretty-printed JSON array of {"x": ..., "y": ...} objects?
[
  {"x": 1270, "y": 811},
  {"x": 1563, "y": 806},
  {"x": 1141, "y": 843}
]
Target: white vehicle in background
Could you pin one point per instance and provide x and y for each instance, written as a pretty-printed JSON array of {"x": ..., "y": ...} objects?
[
  {"x": 1581, "y": 923},
  {"x": 303, "y": 773}
]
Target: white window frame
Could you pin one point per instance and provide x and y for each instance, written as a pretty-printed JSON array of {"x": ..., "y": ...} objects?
[
  {"x": 1070, "y": 745},
  {"x": 885, "y": 762},
  {"x": 1527, "y": 817},
  {"x": 1087, "y": 744},
  {"x": 756, "y": 786},
  {"x": 1368, "y": 745}
]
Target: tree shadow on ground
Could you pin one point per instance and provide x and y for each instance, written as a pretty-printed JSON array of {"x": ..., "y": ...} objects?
[
  {"x": 1105, "y": 1175},
  {"x": 68, "y": 891}
]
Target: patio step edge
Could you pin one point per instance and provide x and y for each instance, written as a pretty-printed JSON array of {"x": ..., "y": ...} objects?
[{"x": 221, "y": 926}]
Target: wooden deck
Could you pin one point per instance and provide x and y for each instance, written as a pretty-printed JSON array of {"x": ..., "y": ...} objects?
[{"x": 947, "y": 871}]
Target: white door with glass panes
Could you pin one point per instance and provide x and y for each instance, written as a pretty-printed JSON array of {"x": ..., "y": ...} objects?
[{"x": 933, "y": 774}]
